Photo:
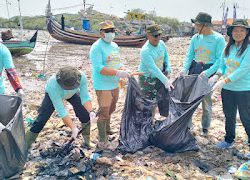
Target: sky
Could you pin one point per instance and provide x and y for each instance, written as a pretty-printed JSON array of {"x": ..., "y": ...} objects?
[{"x": 183, "y": 10}]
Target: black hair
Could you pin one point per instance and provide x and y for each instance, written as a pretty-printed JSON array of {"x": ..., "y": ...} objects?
[{"x": 242, "y": 48}]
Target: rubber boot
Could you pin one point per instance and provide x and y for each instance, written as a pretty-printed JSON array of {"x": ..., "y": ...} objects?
[
  {"x": 86, "y": 135},
  {"x": 108, "y": 129},
  {"x": 30, "y": 138},
  {"x": 102, "y": 132}
]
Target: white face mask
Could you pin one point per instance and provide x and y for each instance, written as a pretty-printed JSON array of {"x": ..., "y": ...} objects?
[{"x": 109, "y": 37}]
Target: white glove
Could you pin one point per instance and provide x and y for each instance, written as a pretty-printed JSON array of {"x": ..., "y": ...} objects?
[
  {"x": 122, "y": 74},
  {"x": 21, "y": 93},
  {"x": 212, "y": 80},
  {"x": 92, "y": 116},
  {"x": 1, "y": 127},
  {"x": 219, "y": 85},
  {"x": 74, "y": 132},
  {"x": 183, "y": 72},
  {"x": 202, "y": 75},
  {"x": 169, "y": 86}
]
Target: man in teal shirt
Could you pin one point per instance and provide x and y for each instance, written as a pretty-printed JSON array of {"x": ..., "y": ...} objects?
[
  {"x": 71, "y": 85},
  {"x": 107, "y": 69},
  {"x": 203, "y": 57},
  {"x": 154, "y": 63}
]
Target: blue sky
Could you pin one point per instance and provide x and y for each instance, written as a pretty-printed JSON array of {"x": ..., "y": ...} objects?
[{"x": 183, "y": 10}]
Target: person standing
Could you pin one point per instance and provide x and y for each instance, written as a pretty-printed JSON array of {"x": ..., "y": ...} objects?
[
  {"x": 107, "y": 69},
  {"x": 6, "y": 63},
  {"x": 154, "y": 63},
  {"x": 71, "y": 85},
  {"x": 203, "y": 57},
  {"x": 235, "y": 80}
]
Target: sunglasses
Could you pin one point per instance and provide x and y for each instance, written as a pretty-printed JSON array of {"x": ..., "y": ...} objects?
[
  {"x": 156, "y": 36},
  {"x": 109, "y": 30}
]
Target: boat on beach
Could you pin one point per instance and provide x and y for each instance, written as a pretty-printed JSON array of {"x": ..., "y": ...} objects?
[{"x": 70, "y": 35}]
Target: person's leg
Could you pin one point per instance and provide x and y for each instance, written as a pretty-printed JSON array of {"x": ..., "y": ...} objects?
[
  {"x": 229, "y": 109},
  {"x": 243, "y": 103},
  {"x": 104, "y": 98},
  {"x": 44, "y": 112},
  {"x": 83, "y": 116},
  {"x": 207, "y": 113},
  {"x": 115, "y": 96}
]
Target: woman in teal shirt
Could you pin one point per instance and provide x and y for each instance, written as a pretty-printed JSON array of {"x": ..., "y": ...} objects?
[{"x": 235, "y": 84}]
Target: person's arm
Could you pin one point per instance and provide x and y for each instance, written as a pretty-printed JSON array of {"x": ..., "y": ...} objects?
[
  {"x": 219, "y": 50},
  {"x": 148, "y": 60},
  {"x": 10, "y": 69},
  {"x": 84, "y": 94},
  {"x": 190, "y": 55},
  {"x": 68, "y": 122}
]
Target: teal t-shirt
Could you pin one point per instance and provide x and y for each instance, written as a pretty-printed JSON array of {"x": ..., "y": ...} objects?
[
  {"x": 103, "y": 54},
  {"x": 152, "y": 59},
  {"x": 237, "y": 69},
  {"x": 57, "y": 94},
  {"x": 5, "y": 63},
  {"x": 206, "y": 49}
]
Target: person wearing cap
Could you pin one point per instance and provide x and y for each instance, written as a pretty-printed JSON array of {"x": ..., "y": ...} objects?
[
  {"x": 154, "y": 63},
  {"x": 203, "y": 57},
  {"x": 234, "y": 74},
  {"x": 71, "y": 85},
  {"x": 6, "y": 63},
  {"x": 107, "y": 69}
]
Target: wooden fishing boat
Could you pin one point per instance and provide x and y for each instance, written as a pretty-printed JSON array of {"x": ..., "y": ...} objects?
[
  {"x": 87, "y": 38},
  {"x": 18, "y": 48}
]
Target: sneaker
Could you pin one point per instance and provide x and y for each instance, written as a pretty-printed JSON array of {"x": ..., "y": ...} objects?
[
  {"x": 224, "y": 145},
  {"x": 204, "y": 132}
]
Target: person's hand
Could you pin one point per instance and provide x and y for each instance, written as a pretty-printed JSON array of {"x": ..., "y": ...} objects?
[
  {"x": 202, "y": 75},
  {"x": 92, "y": 116},
  {"x": 219, "y": 85},
  {"x": 122, "y": 74},
  {"x": 212, "y": 80},
  {"x": 169, "y": 86},
  {"x": 74, "y": 132},
  {"x": 20, "y": 93},
  {"x": 183, "y": 72}
]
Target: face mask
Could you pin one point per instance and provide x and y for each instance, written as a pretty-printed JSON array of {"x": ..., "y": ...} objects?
[{"x": 109, "y": 37}]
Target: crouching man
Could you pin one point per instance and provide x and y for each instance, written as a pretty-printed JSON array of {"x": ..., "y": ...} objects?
[{"x": 71, "y": 85}]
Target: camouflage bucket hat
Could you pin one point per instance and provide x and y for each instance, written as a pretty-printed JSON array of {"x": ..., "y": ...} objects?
[
  {"x": 203, "y": 19},
  {"x": 154, "y": 29},
  {"x": 68, "y": 78},
  {"x": 238, "y": 23},
  {"x": 107, "y": 25}
]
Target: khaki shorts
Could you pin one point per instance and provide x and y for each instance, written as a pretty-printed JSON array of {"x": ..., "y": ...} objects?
[{"x": 107, "y": 100}]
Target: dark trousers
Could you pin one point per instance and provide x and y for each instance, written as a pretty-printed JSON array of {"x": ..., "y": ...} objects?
[
  {"x": 47, "y": 108},
  {"x": 231, "y": 101}
]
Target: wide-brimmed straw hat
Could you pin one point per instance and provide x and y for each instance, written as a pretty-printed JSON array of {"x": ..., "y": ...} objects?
[
  {"x": 68, "y": 78},
  {"x": 238, "y": 23}
]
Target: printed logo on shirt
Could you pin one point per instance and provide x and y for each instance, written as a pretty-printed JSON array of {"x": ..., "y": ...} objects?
[
  {"x": 232, "y": 65},
  {"x": 114, "y": 60},
  {"x": 159, "y": 62},
  {"x": 202, "y": 55}
]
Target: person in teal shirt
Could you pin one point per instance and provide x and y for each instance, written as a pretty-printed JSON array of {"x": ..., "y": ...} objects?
[
  {"x": 107, "y": 69},
  {"x": 235, "y": 80},
  {"x": 203, "y": 57},
  {"x": 154, "y": 63},
  {"x": 6, "y": 63},
  {"x": 71, "y": 85}
]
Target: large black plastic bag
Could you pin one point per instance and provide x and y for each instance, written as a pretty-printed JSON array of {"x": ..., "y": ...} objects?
[
  {"x": 162, "y": 98},
  {"x": 171, "y": 134},
  {"x": 12, "y": 138}
]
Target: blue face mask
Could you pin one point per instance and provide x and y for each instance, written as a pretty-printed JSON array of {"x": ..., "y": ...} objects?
[{"x": 109, "y": 37}]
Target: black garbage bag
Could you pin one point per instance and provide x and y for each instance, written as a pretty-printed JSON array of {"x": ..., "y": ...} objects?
[
  {"x": 162, "y": 98},
  {"x": 172, "y": 134},
  {"x": 12, "y": 137}
]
